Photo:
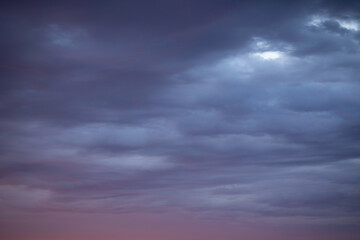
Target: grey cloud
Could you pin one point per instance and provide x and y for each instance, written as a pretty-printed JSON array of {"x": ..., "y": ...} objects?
[{"x": 130, "y": 106}]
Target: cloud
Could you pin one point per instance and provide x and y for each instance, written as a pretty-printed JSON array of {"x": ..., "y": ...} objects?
[
  {"x": 20, "y": 196},
  {"x": 242, "y": 112}
]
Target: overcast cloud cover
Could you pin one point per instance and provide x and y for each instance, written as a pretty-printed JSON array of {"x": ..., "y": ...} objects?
[{"x": 174, "y": 119}]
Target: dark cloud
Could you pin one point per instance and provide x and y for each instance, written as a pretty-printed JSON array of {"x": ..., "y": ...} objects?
[{"x": 238, "y": 111}]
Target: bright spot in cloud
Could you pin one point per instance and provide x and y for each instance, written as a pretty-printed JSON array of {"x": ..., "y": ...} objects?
[
  {"x": 318, "y": 20},
  {"x": 260, "y": 44},
  {"x": 269, "y": 55},
  {"x": 349, "y": 25}
]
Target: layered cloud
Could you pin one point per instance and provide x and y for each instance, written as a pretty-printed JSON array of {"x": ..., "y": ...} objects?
[{"x": 239, "y": 111}]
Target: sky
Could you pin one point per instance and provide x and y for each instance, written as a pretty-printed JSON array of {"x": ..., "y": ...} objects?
[{"x": 180, "y": 120}]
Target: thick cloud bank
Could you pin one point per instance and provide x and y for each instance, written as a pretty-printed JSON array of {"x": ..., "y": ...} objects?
[{"x": 240, "y": 112}]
